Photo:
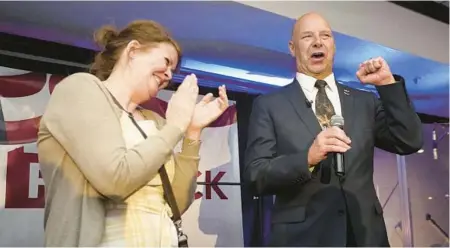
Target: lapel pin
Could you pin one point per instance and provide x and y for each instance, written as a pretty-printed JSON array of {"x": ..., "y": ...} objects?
[{"x": 346, "y": 92}]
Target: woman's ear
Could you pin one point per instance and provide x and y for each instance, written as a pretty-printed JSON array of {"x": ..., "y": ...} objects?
[{"x": 132, "y": 48}]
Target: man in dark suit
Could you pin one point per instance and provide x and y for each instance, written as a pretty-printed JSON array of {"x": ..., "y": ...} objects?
[{"x": 291, "y": 145}]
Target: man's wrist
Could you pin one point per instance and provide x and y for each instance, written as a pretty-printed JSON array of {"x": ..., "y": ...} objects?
[
  {"x": 393, "y": 80},
  {"x": 390, "y": 80}
]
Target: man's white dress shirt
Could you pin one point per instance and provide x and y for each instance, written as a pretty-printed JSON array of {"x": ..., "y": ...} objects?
[{"x": 307, "y": 84}]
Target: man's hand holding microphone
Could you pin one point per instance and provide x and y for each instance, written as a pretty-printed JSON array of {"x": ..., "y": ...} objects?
[{"x": 332, "y": 139}]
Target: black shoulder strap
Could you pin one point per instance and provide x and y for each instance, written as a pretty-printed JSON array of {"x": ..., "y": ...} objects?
[
  {"x": 168, "y": 196},
  {"x": 167, "y": 188},
  {"x": 168, "y": 191}
]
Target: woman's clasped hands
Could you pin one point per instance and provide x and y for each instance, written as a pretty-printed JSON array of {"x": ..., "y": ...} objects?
[{"x": 191, "y": 117}]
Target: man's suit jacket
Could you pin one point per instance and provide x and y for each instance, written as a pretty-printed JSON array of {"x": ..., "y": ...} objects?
[{"x": 306, "y": 211}]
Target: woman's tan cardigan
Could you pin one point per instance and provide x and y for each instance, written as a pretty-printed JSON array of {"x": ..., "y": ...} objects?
[{"x": 84, "y": 161}]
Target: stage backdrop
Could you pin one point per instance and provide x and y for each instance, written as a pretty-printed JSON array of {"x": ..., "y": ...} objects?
[{"x": 214, "y": 219}]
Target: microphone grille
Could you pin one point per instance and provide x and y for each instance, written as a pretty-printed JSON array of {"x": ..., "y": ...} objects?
[{"x": 337, "y": 120}]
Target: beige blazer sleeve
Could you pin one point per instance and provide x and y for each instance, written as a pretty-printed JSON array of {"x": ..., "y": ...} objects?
[
  {"x": 81, "y": 118},
  {"x": 185, "y": 180},
  {"x": 187, "y": 161}
]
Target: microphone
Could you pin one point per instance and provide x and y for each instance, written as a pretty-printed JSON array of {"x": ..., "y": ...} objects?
[
  {"x": 308, "y": 103},
  {"x": 338, "y": 121}
]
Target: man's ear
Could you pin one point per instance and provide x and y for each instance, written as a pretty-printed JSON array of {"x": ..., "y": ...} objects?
[{"x": 292, "y": 48}]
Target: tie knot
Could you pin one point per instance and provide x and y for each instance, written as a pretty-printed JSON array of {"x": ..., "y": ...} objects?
[{"x": 320, "y": 84}]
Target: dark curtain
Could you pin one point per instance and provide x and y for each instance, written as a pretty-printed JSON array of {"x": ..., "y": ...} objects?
[{"x": 255, "y": 210}]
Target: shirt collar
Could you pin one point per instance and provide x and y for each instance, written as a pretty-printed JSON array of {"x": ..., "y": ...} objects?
[{"x": 307, "y": 82}]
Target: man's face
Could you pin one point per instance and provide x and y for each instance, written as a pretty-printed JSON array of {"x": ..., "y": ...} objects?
[{"x": 313, "y": 46}]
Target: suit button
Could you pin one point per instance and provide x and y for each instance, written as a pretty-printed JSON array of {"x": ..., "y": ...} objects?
[{"x": 341, "y": 212}]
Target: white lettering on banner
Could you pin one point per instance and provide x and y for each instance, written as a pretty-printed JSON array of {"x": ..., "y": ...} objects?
[
  {"x": 35, "y": 173},
  {"x": 30, "y": 148},
  {"x": 35, "y": 181}
]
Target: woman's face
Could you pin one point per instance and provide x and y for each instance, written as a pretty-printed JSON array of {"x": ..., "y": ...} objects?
[{"x": 153, "y": 69}]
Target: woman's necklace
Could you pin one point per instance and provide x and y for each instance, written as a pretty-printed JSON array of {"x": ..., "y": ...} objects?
[{"x": 136, "y": 115}]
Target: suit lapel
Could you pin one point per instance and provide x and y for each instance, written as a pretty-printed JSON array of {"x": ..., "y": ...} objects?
[
  {"x": 298, "y": 100},
  {"x": 346, "y": 98}
]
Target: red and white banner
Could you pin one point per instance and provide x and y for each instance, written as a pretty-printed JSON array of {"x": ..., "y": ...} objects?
[{"x": 214, "y": 219}]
